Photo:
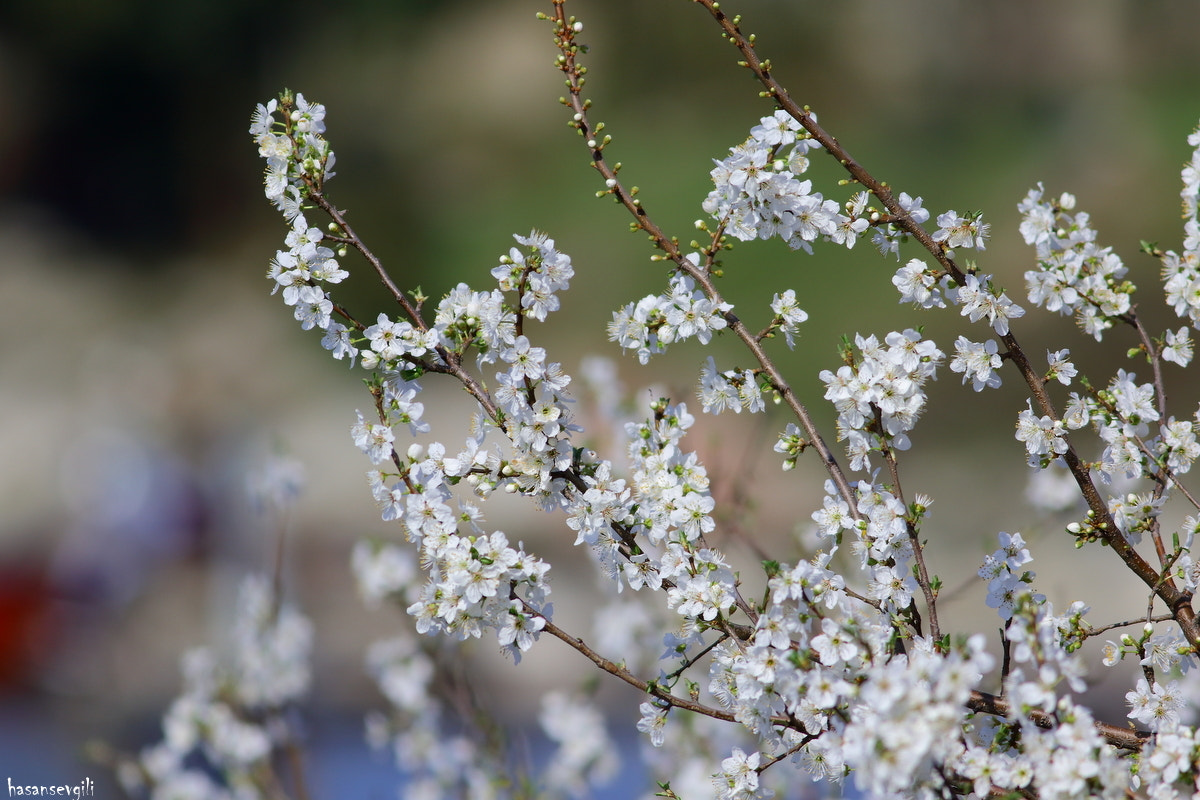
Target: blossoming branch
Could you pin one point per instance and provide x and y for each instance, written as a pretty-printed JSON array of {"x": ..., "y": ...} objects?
[{"x": 833, "y": 663}]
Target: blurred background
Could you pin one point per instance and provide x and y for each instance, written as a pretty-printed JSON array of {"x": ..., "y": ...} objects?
[{"x": 145, "y": 371}]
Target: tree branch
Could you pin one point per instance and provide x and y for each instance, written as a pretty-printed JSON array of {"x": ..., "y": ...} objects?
[{"x": 1178, "y": 601}]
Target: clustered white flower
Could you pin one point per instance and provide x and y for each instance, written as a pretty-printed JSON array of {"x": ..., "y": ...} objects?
[
  {"x": 830, "y": 670},
  {"x": 922, "y": 286},
  {"x": 1070, "y": 758},
  {"x": 229, "y": 721},
  {"x": 295, "y": 151},
  {"x": 651, "y": 532},
  {"x": 1121, "y": 416},
  {"x": 823, "y": 658},
  {"x": 734, "y": 389},
  {"x": 788, "y": 315},
  {"x": 656, "y": 321},
  {"x": 979, "y": 298},
  {"x": 879, "y": 396},
  {"x": 1044, "y": 437},
  {"x": 958, "y": 230},
  {"x": 1006, "y": 585},
  {"x": 1181, "y": 271},
  {"x": 1074, "y": 275},
  {"x": 978, "y": 361},
  {"x": 536, "y": 274},
  {"x": 437, "y": 760},
  {"x": 757, "y": 195},
  {"x": 1168, "y": 764}
]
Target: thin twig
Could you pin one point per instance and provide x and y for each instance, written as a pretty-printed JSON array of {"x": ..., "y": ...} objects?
[
  {"x": 568, "y": 65},
  {"x": 612, "y": 668},
  {"x": 1178, "y": 601},
  {"x": 1090, "y": 632},
  {"x": 1124, "y": 738}
]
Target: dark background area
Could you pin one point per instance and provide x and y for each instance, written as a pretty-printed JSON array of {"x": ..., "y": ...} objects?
[{"x": 145, "y": 369}]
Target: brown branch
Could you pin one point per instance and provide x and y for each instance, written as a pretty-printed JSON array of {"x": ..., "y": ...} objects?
[
  {"x": 612, "y": 668},
  {"x": 922, "y": 571},
  {"x": 568, "y": 64},
  {"x": 1124, "y": 738},
  {"x": 1090, "y": 632},
  {"x": 1178, "y": 601},
  {"x": 319, "y": 199}
]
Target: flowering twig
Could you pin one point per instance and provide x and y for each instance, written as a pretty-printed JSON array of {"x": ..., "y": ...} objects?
[
  {"x": 568, "y": 64},
  {"x": 1125, "y": 738},
  {"x": 612, "y": 668},
  {"x": 847, "y": 680},
  {"x": 1178, "y": 601}
]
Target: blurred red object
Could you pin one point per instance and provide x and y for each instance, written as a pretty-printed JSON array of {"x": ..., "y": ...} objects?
[{"x": 26, "y": 603}]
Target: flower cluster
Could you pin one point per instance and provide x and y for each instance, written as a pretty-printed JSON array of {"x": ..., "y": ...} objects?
[
  {"x": 979, "y": 298},
  {"x": 1044, "y": 436},
  {"x": 909, "y": 717},
  {"x": 922, "y": 286},
  {"x": 437, "y": 760},
  {"x": 879, "y": 392},
  {"x": 656, "y": 321},
  {"x": 473, "y": 575},
  {"x": 1122, "y": 415},
  {"x": 1181, "y": 271},
  {"x": 1168, "y": 766},
  {"x": 1068, "y": 758},
  {"x": 1005, "y": 584},
  {"x": 1074, "y": 275},
  {"x": 219, "y": 735},
  {"x": 757, "y": 195},
  {"x": 1169, "y": 763},
  {"x": 299, "y": 161},
  {"x": 672, "y": 510},
  {"x": 978, "y": 361},
  {"x": 298, "y": 157},
  {"x": 733, "y": 389},
  {"x": 928, "y": 287},
  {"x": 788, "y": 315},
  {"x": 471, "y": 578},
  {"x": 956, "y": 230},
  {"x": 836, "y": 661},
  {"x": 738, "y": 779},
  {"x": 536, "y": 274},
  {"x": 300, "y": 271}
]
